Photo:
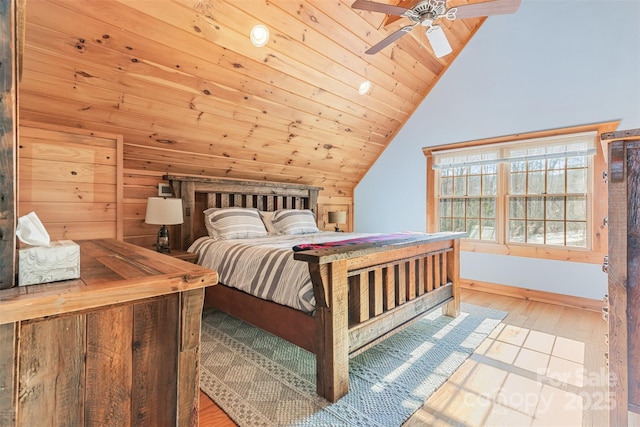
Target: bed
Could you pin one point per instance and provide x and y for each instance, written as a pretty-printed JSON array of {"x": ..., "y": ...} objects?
[{"x": 363, "y": 292}]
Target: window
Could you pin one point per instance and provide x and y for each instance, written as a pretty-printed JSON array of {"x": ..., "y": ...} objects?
[
  {"x": 467, "y": 196},
  {"x": 530, "y": 196}
]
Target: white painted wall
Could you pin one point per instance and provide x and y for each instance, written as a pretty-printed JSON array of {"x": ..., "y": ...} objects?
[{"x": 553, "y": 64}]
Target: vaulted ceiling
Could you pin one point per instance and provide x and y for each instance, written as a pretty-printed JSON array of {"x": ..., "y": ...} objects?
[{"x": 180, "y": 80}]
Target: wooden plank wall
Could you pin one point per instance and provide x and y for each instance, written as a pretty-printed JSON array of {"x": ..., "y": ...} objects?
[
  {"x": 71, "y": 178},
  {"x": 139, "y": 185}
]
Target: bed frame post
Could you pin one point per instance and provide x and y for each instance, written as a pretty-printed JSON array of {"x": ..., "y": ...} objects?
[
  {"x": 332, "y": 351},
  {"x": 452, "y": 309}
]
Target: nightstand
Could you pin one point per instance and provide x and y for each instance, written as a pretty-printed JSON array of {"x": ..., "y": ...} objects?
[{"x": 183, "y": 255}]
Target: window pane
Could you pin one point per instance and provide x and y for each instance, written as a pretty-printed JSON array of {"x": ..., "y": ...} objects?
[
  {"x": 488, "y": 229},
  {"x": 555, "y": 182},
  {"x": 518, "y": 166},
  {"x": 577, "y": 208},
  {"x": 557, "y": 164},
  {"x": 535, "y": 208},
  {"x": 445, "y": 207},
  {"x": 473, "y": 228},
  {"x": 535, "y": 165},
  {"x": 517, "y": 207},
  {"x": 488, "y": 208},
  {"x": 577, "y": 162},
  {"x": 536, "y": 183},
  {"x": 445, "y": 224},
  {"x": 576, "y": 181},
  {"x": 446, "y": 172},
  {"x": 446, "y": 186},
  {"x": 490, "y": 168},
  {"x": 555, "y": 208},
  {"x": 518, "y": 183},
  {"x": 473, "y": 208},
  {"x": 516, "y": 231},
  {"x": 535, "y": 232},
  {"x": 475, "y": 170},
  {"x": 489, "y": 185},
  {"x": 555, "y": 233},
  {"x": 460, "y": 186},
  {"x": 577, "y": 234},
  {"x": 458, "y": 208},
  {"x": 458, "y": 224},
  {"x": 474, "y": 185},
  {"x": 460, "y": 171}
]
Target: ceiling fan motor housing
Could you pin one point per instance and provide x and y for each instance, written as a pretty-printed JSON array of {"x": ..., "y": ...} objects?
[{"x": 425, "y": 12}]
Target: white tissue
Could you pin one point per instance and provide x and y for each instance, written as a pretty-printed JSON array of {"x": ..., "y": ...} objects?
[{"x": 31, "y": 231}]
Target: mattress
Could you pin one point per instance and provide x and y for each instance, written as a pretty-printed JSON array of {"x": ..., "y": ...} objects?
[{"x": 264, "y": 267}]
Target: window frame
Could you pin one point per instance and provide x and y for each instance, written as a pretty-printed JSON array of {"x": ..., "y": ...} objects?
[{"x": 597, "y": 236}]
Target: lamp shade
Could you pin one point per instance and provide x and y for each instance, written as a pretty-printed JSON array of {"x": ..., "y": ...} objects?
[
  {"x": 163, "y": 211},
  {"x": 339, "y": 217}
]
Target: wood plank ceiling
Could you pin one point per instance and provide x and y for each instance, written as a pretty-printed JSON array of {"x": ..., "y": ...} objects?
[{"x": 180, "y": 80}]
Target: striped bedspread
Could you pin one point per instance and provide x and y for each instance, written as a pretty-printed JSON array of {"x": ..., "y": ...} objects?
[{"x": 265, "y": 267}]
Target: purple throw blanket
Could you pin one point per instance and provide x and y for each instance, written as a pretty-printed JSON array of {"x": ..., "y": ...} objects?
[{"x": 358, "y": 241}]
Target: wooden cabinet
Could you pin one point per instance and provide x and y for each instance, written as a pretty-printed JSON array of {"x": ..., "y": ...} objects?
[
  {"x": 118, "y": 347},
  {"x": 622, "y": 309}
]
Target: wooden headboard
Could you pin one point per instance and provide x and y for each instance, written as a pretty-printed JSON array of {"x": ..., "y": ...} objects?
[{"x": 199, "y": 194}]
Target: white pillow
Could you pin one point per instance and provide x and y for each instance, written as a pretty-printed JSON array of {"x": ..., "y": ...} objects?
[
  {"x": 234, "y": 223},
  {"x": 294, "y": 221}
]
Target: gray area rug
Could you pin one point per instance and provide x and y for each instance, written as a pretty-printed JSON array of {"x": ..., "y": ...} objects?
[{"x": 261, "y": 380}]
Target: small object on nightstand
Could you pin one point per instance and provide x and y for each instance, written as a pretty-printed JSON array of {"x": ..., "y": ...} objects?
[
  {"x": 184, "y": 255},
  {"x": 163, "y": 211},
  {"x": 337, "y": 218}
]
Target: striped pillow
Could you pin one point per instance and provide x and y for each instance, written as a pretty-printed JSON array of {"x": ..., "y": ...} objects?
[
  {"x": 234, "y": 223},
  {"x": 294, "y": 221}
]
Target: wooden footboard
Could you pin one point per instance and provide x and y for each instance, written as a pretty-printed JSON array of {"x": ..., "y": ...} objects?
[{"x": 366, "y": 293}]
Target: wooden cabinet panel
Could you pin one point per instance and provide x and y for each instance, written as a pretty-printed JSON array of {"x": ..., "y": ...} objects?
[
  {"x": 72, "y": 179},
  {"x": 155, "y": 362},
  {"x": 47, "y": 349},
  {"x": 109, "y": 369},
  {"x": 623, "y": 267}
]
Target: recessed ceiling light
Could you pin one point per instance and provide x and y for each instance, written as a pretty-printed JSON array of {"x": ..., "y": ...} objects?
[
  {"x": 259, "y": 35},
  {"x": 365, "y": 87}
]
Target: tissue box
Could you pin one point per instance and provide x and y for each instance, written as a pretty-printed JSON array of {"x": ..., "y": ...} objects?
[{"x": 43, "y": 264}]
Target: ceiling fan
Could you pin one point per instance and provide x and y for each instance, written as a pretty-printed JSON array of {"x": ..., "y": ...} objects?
[{"x": 427, "y": 11}]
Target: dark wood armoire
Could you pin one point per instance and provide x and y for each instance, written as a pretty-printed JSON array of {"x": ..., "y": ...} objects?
[{"x": 622, "y": 305}]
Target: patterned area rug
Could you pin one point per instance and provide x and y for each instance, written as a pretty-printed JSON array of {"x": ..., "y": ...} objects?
[{"x": 262, "y": 380}]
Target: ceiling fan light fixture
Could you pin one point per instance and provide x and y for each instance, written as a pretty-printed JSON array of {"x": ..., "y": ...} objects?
[
  {"x": 438, "y": 41},
  {"x": 365, "y": 87},
  {"x": 259, "y": 35}
]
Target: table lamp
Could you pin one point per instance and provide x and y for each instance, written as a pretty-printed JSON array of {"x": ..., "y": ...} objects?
[
  {"x": 339, "y": 217},
  {"x": 163, "y": 211}
]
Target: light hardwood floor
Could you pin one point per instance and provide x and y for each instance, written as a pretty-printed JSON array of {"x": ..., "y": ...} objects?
[{"x": 543, "y": 366}]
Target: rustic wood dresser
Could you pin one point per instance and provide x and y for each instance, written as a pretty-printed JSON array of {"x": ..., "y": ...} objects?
[{"x": 119, "y": 346}]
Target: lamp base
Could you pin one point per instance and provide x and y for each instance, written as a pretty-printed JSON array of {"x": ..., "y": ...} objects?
[
  {"x": 338, "y": 229},
  {"x": 162, "y": 243}
]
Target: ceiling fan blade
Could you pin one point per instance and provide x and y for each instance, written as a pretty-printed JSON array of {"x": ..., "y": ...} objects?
[
  {"x": 389, "y": 39},
  {"x": 381, "y": 7},
  {"x": 496, "y": 7},
  {"x": 438, "y": 41}
]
